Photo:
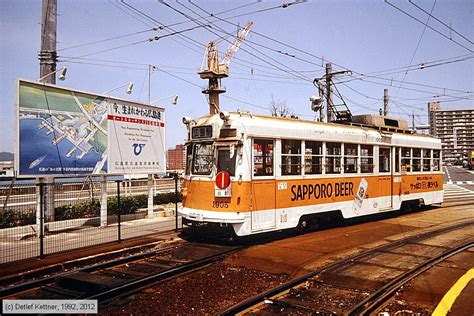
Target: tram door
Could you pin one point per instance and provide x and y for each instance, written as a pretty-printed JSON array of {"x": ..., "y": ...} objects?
[
  {"x": 263, "y": 185},
  {"x": 385, "y": 178}
]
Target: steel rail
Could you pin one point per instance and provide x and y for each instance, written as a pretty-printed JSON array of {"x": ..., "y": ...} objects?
[
  {"x": 28, "y": 285},
  {"x": 379, "y": 297},
  {"x": 138, "y": 284},
  {"x": 259, "y": 298}
]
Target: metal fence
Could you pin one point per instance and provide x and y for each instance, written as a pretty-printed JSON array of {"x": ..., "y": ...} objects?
[{"x": 40, "y": 219}]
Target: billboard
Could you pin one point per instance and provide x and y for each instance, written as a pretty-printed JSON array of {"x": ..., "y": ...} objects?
[{"x": 68, "y": 132}]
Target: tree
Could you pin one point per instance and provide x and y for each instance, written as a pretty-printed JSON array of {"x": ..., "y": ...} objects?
[{"x": 280, "y": 108}]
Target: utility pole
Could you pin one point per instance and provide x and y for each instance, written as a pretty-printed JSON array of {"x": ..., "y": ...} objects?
[
  {"x": 385, "y": 102},
  {"x": 321, "y": 94},
  {"x": 413, "y": 120},
  {"x": 47, "y": 55},
  {"x": 329, "y": 112}
]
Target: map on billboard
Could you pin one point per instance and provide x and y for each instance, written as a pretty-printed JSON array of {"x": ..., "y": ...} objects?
[{"x": 67, "y": 132}]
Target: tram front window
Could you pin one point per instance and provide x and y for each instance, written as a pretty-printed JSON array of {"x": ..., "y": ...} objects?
[
  {"x": 203, "y": 157},
  {"x": 225, "y": 162}
]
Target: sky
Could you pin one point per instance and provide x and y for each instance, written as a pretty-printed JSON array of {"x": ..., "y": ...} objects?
[{"x": 419, "y": 57}]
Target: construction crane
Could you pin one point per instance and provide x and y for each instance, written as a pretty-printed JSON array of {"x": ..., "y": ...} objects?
[{"x": 215, "y": 71}]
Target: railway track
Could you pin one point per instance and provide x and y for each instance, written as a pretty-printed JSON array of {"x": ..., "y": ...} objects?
[
  {"x": 120, "y": 277},
  {"x": 361, "y": 283}
]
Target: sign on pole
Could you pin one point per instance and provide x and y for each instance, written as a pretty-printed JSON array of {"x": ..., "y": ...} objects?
[{"x": 68, "y": 132}]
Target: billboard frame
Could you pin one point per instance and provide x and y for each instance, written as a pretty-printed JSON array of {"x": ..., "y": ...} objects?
[{"x": 109, "y": 99}]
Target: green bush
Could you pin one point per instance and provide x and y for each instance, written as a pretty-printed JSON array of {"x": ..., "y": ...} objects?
[
  {"x": 165, "y": 198},
  {"x": 81, "y": 210},
  {"x": 13, "y": 218},
  {"x": 129, "y": 205}
]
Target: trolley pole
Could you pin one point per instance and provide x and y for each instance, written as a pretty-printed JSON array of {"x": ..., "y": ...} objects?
[
  {"x": 329, "y": 113},
  {"x": 385, "y": 102},
  {"x": 119, "y": 211}
]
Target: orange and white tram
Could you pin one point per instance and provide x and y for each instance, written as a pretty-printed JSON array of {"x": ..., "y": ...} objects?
[{"x": 260, "y": 173}]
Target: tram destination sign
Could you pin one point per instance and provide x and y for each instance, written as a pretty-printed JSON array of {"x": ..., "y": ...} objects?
[{"x": 69, "y": 132}]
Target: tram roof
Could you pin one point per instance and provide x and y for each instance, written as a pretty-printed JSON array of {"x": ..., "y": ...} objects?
[{"x": 281, "y": 127}]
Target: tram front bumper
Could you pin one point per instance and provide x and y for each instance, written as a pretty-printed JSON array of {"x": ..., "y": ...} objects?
[{"x": 201, "y": 216}]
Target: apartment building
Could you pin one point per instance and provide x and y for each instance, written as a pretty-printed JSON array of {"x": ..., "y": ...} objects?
[
  {"x": 455, "y": 128},
  {"x": 176, "y": 159}
]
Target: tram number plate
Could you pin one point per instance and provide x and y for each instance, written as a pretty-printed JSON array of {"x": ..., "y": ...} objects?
[{"x": 220, "y": 204}]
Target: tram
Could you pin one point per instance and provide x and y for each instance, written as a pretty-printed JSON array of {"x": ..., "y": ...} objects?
[{"x": 256, "y": 173}]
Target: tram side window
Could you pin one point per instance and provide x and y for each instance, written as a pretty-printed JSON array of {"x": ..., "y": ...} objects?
[
  {"x": 406, "y": 159},
  {"x": 436, "y": 160},
  {"x": 426, "y": 159},
  {"x": 313, "y": 157},
  {"x": 263, "y": 157},
  {"x": 333, "y": 158},
  {"x": 416, "y": 159},
  {"x": 189, "y": 158},
  {"x": 290, "y": 157},
  {"x": 366, "y": 158},
  {"x": 384, "y": 159},
  {"x": 203, "y": 158},
  {"x": 350, "y": 158},
  {"x": 225, "y": 162}
]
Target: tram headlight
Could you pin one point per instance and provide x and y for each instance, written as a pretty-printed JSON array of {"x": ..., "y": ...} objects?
[
  {"x": 186, "y": 120},
  {"x": 224, "y": 116}
]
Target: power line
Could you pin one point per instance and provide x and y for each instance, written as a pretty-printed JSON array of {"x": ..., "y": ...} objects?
[
  {"x": 107, "y": 39},
  {"x": 354, "y": 78},
  {"x": 448, "y": 26},
  {"x": 252, "y": 54},
  {"x": 186, "y": 38},
  {"x": 247, "y": 41},
  {"x": 435, "y": 30},
  {"x": 416, "y": 48},
  {"x": 404, "y": 88},
  {"x": 155, "y": 38},
  {"x": 225, "y": 32}
]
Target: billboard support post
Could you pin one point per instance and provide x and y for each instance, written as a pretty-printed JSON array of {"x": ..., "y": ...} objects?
[
  {"x": 49, "y": 192},
  {"x": 176, "y": 178},
  {"x": 39, "y": 206},
  {"x": 151, "y": 193},
  {"x": 119, "y": 211},
  {"x": 41, "y": 220},
  {"x": 103, "y": 201}
]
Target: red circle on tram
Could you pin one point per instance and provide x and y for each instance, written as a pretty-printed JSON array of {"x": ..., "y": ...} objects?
[{"x": 222, "y": 179}]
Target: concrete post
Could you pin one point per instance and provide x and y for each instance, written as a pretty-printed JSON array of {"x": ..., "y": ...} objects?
[
  {"x": 49, "y": 195},
  {"x": 38, "y": 226},
  {"x": 48, "y": 55},
  {"x": 151, "y": 193},
  {"x": 103, "y": 201}
]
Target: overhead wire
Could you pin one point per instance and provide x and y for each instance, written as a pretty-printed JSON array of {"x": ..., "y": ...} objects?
[
  {"x": 431, "y": 28},
  {"x": 248, "y": 41},
  {"x": 416, "y": 48},
  {"x": 422, "y": 65},
  {"x": 187, "y": 39},
  {"x": 435, "y": 18},
  {"x": 155, "y": 38},
  {"x": 289, "y": 70},
  {"x": 201, "y": 45},
  {"x": 107, "y": 39}
]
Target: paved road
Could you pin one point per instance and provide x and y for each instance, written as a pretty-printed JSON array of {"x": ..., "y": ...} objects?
[
  {"x": 458, "y": 184},
  {"x": 458, "y": 175}
]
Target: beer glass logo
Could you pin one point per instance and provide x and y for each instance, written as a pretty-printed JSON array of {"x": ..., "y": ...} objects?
[{"x": 137, "y": 148}]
